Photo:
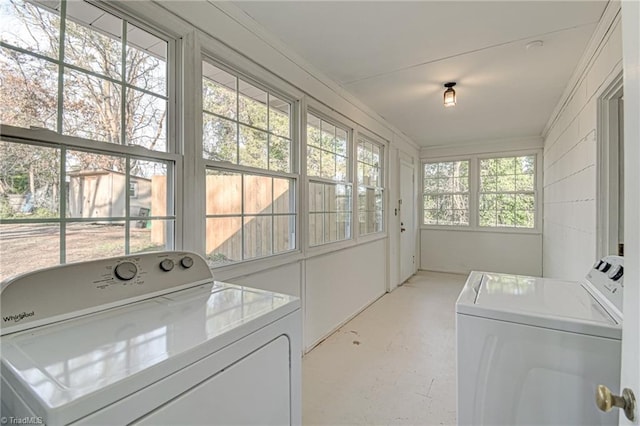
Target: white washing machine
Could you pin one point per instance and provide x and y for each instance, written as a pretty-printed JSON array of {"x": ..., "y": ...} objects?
[
  {"x": 147, "y": 339},
  {"x": 531, "y": 351}
]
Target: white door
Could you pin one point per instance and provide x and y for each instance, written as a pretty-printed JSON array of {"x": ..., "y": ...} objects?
[
  {"x": 630, "y": 374},
  {"x": 407, "y": 221}
]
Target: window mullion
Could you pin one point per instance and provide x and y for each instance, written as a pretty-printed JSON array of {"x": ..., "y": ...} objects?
[{"x": 123, "y": 87}]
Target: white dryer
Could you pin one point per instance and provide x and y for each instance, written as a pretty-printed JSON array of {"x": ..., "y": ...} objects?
[
  {"x": 531, "y": 351},
  {"x": 147, "y": 339}
]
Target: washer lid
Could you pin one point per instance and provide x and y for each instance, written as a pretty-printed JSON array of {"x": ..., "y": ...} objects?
[
  {"x": 542, "y": 302},
  {"x": 67, "y": 370}
]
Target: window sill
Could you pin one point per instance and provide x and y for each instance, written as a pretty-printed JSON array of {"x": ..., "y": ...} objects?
[{"x": 254, "y": 266}]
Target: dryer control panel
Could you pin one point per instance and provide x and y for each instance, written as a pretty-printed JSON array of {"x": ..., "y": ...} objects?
[
  {"x": 607, "y": 277},
  {"x": 67, "y": 291}
]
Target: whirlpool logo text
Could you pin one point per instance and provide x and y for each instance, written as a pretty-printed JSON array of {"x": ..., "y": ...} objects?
[{"x": 18, "y": 317}]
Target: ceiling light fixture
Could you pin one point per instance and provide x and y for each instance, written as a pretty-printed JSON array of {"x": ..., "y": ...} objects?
[{"x": 449, "y": 95}]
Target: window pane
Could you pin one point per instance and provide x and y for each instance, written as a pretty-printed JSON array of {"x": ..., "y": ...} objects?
[
  {"x": 488, "y": 183},
  {"x": 284, "y": 233},
  {"x": 328, "y": 165},
  {"x": 524, "y": 182},
  {"x": 257, "y": 236},
  {"x": 253, "y": 148},
  {"x": 219, "y": 94},
  {"x": 224, "y": 240},
  {"x": 316, "y": 221},
  {"x": 30, "y": 180},
  {"x": 146, "y": 120},
  {"x": 28, "y": 92},
  {"x": 341, "y": 168},
  {"x": 279, "y": 113},
  {"x": 96, "y": 185},
  {"x": 87, "y": 241},
  {"x": 525, "y": 201},
  {"x": 506, "y": 183},
  {"x": 224, "y": 193},
  {"x": 431, "y": 185},
  {"x": 93, "y": 50},
  {"x": 258, "y": 194},
  {"x": 313, "y": 131},
  {"x": 91, "y": 107},
  {"x": 341, "y": 141},
  {"x": 313, "y": 161},
  {"x": 26, "y": 241},
  {"x": 283, "y": 193},
  {"x": 279, "y": 154},
  {"x": 219, "y": 139},
  {"x": 525, "y": 219},
  {"x": 253, "y": 106},
  {"x": 330, "y": 227},
  {"x": 150, "y": 235},
  {"x": 316, "y": 197},
  {"x": 327, "y": 140},
  {"x": 146, "y": 66},
  {"x": 30, "y": 27},
  {"x": 525, "y": 165},
  {"x": 148, "y": 191}
]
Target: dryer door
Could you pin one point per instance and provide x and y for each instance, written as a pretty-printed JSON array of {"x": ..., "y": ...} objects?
[{"x": 254, "y": 390}]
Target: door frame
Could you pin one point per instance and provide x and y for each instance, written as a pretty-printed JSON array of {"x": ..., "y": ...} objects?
[{"x": 608, "y": 169}]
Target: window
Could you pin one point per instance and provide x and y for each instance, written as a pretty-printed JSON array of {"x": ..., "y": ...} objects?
[
  {"x": 370, "y": 187},
  {"x": 507, "y": 192},
  {"x": 250, "y": 185},
  {"x": 99, "y": 84},
  {"x": 446, "y": 193},
  {"x": 329, "y": 186},
  {"x": 496, "y": 192}
]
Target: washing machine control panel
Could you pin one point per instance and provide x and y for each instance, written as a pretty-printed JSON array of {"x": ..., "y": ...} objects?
[
  {"x": 66, "y": 291},
  {"x": 607, "y": 277}
]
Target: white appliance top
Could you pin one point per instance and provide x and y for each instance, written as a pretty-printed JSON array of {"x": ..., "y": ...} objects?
[
  {"x": 575, "y": 306},
  {"x": 88, "y": 361}
]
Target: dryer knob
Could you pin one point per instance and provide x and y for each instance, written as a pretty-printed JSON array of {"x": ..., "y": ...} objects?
[
  {"x": 186, "y": 262},
  {"x": 616, "y": 273},
  {"x": 166, "y": 265},
  {"x": 605, "y": 267}
]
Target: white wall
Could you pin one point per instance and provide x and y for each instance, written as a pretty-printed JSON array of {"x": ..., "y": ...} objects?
[
  {"x": 466, "y": 251},
  {"x": 339, "y": 285},
  {"x": 460, "y": 250},
  {"x": 570, "y": 151},
  {"x": 334, "y": 287}
]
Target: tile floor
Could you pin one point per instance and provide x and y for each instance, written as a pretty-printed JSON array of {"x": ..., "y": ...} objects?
[{"x": 392, "y": 364}]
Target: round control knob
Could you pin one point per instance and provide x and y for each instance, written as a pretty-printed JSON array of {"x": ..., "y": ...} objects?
[
  {"x": 186, "y": 262},
  {"x": 166, "y": 265},
  {"x": 605, "y": 267},
  {"x": 616, "y": 273},
  {"x": 126, "y": 271}
]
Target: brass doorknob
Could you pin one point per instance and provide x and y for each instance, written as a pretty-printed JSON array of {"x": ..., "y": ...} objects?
[{"x": 605, "y": 401}]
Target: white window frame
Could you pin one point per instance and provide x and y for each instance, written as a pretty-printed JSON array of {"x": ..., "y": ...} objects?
[
  {"x": 316, "y": 111},
  {"x": 203, "y": 164},
  {"x": 56, "y": 140},
  {"x": 369, "y": 138},
  {"x": 474, "y": 191},
  {"x": 468, "y": 193}
]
